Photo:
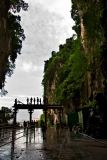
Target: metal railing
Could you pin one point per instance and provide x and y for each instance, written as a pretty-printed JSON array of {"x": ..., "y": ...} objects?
[{"x": 12, "y": 137}]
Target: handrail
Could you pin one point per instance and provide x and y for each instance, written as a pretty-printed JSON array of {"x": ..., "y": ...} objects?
[
  {"x": 10, "y": 141},
  {"x": 8, "y": 130},
  {"x": 10, "y": 136},
  {"x": 4, "y": 127},
  {"x": 16, "y": 138}
]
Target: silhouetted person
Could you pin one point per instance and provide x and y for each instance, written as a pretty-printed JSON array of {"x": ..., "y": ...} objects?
[
  {"x": 40, "y": 100},
  {"x": 27, "y": 100},
  {"x": 37, "y": 100},
  {"x": 24, "y": 124},
  {"x": 36, "y": 124},
  {"x": 45, "y": 100},
  {"x": 16, "y": 101},
  {"x": 31, "y": 100},
  {"x": 91, "y": 125},
  {"x": 43, "y": 128},
  {"x": 34, "y": 100}
]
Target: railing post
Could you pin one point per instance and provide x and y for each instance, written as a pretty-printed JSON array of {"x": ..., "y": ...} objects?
[
  {"x": 45, "y": 118},
  {"x": 60, "y": 118},
  {"x": 13, "y": 143},
  {"x": 30, "y": 115},
  {"x": 15, "y": 117},
  {"x": 26, "y": 133}
]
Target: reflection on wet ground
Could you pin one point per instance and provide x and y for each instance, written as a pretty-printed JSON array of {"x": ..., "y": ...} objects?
[
  {"x": 56, "y": 144},
  {"x": 20, "y": 141}
]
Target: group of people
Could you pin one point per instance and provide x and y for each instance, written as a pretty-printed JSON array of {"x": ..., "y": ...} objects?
[
  {"x": 35, "y": 124},
  {"x": 27, "y": 124},
  {"x": 34, "y": 100},
  {"x": 31, "y": 101}
]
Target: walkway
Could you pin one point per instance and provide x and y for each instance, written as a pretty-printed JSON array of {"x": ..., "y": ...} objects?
[{"x": 57, "y": 145}]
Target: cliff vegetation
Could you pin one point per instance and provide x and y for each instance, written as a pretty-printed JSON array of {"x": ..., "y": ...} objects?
[{"x": 75, "y": 74}]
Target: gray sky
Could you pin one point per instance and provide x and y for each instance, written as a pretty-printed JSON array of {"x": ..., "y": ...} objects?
[{"x": 47, "y": 24}]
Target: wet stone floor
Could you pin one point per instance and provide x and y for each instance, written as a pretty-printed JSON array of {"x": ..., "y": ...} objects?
[{"x": 56, "y": 144}]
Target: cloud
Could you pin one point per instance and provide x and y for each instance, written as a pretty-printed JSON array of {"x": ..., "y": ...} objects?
[
  {"x": 47, "y": 24},
  {"x": 27, "y": 67},
  {"x": 44, "y": 29},
  {"x": 30, "y": 67},
  {"x": 58, "y": 6},
  {"x": 6, "y": 101}
]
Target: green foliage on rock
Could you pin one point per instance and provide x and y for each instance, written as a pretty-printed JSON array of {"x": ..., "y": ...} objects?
[
  {"x": 91, "y": 12},
  {"x": 88, "y": 15},
  {"x": 66, "y": 69},
  {"x": 72, "y": 74}
]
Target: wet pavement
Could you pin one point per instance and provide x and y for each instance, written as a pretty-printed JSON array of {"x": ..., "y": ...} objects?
[{"x": 56, "y": 144}]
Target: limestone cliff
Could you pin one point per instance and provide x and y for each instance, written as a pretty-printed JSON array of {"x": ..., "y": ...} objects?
[
  {"x": 76, "y": 73},
  {"x": 76, "y": 76},
  {"x": 90, "y": 15}
]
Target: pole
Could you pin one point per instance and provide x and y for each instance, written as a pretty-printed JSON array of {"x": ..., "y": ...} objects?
[
  {"x": 46, "y": 118},
  {"x": 30, "y": 115},
  {"x": 15, "y": 117}
]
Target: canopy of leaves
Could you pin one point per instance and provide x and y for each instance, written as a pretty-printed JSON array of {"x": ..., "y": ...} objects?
[
  {"x": 6, "y": 114},
  {"x": 17, "y": 5},
  {"x": 16, "y": 36}
]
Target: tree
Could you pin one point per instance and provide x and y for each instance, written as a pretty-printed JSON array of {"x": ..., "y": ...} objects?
[
  {"x": 11, "y": 36},
  {"x": 6, "y": 114}
]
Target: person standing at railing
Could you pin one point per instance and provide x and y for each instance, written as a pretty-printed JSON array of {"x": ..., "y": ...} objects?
[
  {"x": 24, "y": 124},
  {"x": 15, "y": 100},
  {"x": 34, "y": 100},
  {"x": 37, "y": 100},
  {"x": 31, "y": 99},
  {"x": 27, "y": 100}
]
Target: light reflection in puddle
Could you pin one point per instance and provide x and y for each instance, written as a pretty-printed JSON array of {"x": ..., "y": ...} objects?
[{"x": 19, "y": 146}]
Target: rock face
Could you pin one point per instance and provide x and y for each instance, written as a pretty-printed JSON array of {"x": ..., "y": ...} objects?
[
  {"x": 90, "y": 31},
  {"x": 92, "y": 40},
  {"x": 91, "y": 28}
]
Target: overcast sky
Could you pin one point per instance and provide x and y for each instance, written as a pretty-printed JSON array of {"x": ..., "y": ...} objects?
[{"x": 47, "y": 24}]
